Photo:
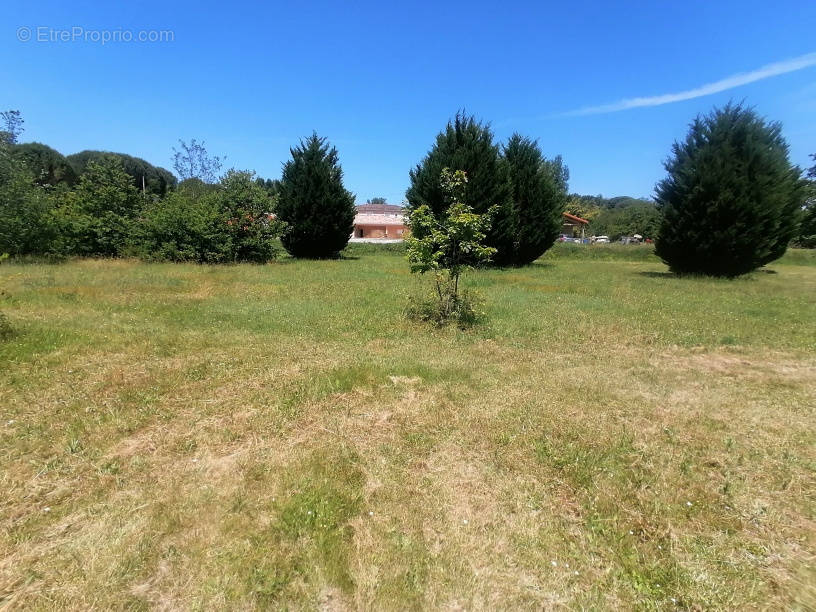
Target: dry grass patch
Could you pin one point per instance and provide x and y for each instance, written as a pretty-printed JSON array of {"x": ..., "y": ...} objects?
[{"x": 192, "y": 437}]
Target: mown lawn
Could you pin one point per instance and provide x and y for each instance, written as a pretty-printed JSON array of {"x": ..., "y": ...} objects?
[{"x": 177, "y": 436}]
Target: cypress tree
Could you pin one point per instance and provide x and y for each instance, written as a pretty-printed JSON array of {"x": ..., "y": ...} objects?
[
  {"x": 317, "y": 209},
  {"x": 731, "y": 200},
  {"x": 539, "y": 197},
  {"x": 466, "y": 144}
]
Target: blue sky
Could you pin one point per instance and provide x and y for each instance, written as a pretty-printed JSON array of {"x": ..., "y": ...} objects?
[{"x": 381, "y": 79}]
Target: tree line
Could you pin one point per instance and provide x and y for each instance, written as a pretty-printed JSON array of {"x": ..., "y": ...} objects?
[
  {"x": 731, "y": 196},
  {"x": 103, "y": 204}
]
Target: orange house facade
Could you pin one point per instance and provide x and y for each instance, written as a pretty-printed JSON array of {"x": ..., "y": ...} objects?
[{"x": 379, "y": 222}]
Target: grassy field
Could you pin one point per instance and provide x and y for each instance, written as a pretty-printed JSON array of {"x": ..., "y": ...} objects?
[{"x": 178, "y": 436}]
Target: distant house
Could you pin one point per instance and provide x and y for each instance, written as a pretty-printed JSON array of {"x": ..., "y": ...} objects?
[
  {"x": 379, "y": 222},
  {"x": 574, "y": 227}
]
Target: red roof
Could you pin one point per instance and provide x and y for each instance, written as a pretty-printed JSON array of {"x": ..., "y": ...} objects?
[{"x": 574, "y": 218}]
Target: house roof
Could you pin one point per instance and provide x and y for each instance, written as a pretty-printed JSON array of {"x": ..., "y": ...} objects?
[
  {"x": 364, "y": 219},
  {"x": 574, "y": 218},
  {"x": 380, "y": 209}
]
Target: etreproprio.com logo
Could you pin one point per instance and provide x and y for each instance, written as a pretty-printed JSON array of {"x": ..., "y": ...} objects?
[{"x": 48, "y": 34}]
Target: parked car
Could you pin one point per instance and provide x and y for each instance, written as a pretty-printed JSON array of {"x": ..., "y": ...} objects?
[{"x": 601, "y": 240}]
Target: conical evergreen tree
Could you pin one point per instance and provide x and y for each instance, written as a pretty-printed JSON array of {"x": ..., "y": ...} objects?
[
  {"x": 466, "y": 144},
  {"x": 539, "y": 197},
  {"x": 317, "y": 209},
  {"x": 731, "y": 200}
]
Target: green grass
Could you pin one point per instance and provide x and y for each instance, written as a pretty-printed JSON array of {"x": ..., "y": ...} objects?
[{"x": 280, "y": 436}]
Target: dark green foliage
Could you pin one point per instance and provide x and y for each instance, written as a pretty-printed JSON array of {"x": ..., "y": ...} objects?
[
  {"x": 196, "y": 186},
  {"x": 47, "y": 166},
  {"x": 317, "y": 209},
  {"x": 539, "y": 196},
  {"x": 807, "y": 229},
  {"x": 248, "y": 208},
  {"x": 272, "y": 186},
  {"x": 226, "y": 223},
  {"x": 96, "y": 218},
  {"x": 466, "y": 144},
  {"x": 26, "y": 210},
  {"x": 591, "y": 207},
  {"x": 637, "y": 217},
  {"x": 157, "y": 181},
  {"x": 621, "y": 202},
  {"x": 526, "y": 191},
  {"x": 731, "y": 200},
  {"x": 184, "y": 227}
]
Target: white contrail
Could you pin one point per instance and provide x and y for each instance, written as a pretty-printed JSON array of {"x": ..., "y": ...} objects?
[{"x": 736, "y": 80}]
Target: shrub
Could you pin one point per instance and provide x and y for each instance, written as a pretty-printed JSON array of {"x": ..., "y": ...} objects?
[
  {"x": 183, "y": 227},
  {"x": 229, "y": 222},
  {"x": 317, "y": 209},
  {"x": 446, "y": 247},
  {"x": 731, "y": 200},
  {"x": 248, "y": 207},
  {"x": 96, "y": 218},
  {"x": 26, "y": 210},
  {"x": 462, "y": 309}
]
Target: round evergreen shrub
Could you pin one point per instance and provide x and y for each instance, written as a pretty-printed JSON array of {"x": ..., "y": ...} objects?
[
  {"x": 314, "y": 205},
  {"x": 731, "y": 200}
]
